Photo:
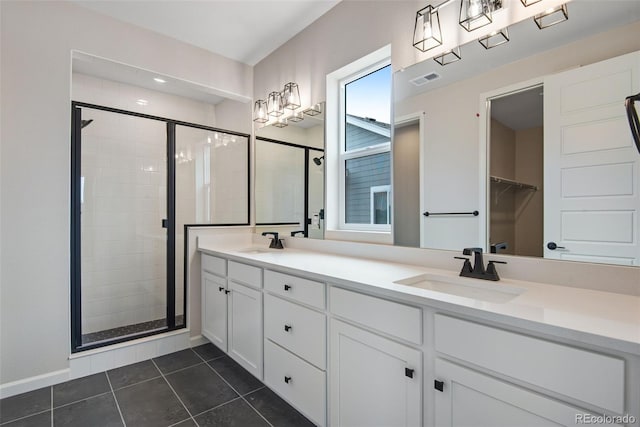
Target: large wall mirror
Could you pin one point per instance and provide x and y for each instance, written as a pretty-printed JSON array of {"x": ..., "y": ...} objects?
[
  {"x": 289, "y": 165},
  {"x": 524, "y": 148}
]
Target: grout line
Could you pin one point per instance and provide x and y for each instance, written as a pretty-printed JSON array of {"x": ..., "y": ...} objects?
[
  {"x": 115, "y": 399},
  {"x": 27, "y": 416},
  {"x": 241, "y": 396},
  {"x": 139, "y": 382},
  {"x": 178, "y": 370},
  {"x": 174, "y": 392},
  {"x": 80, "y": 400},
  {"x": 220, "y": 405}
]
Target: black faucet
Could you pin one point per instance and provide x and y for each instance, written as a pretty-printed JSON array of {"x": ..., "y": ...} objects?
[
  {"x": 294, "y": 233},
  {"x": 276, "y": 243},
  {"x": 478, "y": 271}
]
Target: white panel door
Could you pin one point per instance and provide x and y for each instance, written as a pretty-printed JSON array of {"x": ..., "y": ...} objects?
[
  {"x": 591, "y": 166},
  {"x": 370, "y": 382},
  {"x": 245, "y": 327},
  {"x": 472, "y": 399},
  {"x": 214, "y": 309}
]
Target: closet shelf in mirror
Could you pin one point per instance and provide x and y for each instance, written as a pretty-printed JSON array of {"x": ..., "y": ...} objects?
[{"x": 512, "y": 183}]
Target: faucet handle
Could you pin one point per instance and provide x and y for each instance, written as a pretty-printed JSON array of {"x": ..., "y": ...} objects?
[
  {"x": 466, "y": 267},
  {"x": 492, "y": 273}
]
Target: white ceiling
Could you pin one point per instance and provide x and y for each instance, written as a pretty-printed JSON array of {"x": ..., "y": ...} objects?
[{"x": 243, "y": 30}]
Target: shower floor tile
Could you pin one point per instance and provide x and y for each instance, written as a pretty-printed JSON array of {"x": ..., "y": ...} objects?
[
  {"x": 200, "y": 388},
  {"x": 121, "y": 331}
]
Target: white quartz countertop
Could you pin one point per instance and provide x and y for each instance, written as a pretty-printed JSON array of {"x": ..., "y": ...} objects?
[{"x": 605, "y": 319}]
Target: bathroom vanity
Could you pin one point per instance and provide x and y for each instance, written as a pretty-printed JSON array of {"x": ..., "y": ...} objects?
[{"x": 355, "y": 341}]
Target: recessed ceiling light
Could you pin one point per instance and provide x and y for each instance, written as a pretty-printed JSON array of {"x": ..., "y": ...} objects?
[
  {"x": 142, "y": 102},
  {"x": 159, "y": 80}
]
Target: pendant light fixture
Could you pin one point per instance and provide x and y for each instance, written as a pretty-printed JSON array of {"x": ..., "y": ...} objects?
[
  {"x": 314, "y": 110},
  {"x": 495, "y": 38},
  {"x": 528, "y": 3},
  {"x": 298, "y": 116},
  {"x": 260, "y": 111},
  {"x": 291, "y": 96},
  {"x": 448, "y": 57},
  {"x": 552, "y": 16},
  {"x": 275, "y": 104},
  {"x": 281, "y": 122},
  {"x": 427, "y": 33},
  {"x": 475, "y": 14}
]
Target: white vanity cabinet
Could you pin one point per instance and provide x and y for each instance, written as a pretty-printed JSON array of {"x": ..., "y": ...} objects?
[
  {"x": 232, "y": 310},
  {"x": 374, "y": 380},
  {"x": 295, "y": 343},
  {"x": 475, "y": 388}
]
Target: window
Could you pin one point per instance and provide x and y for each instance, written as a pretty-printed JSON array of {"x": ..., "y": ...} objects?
[{"x": 365, "y": 149}]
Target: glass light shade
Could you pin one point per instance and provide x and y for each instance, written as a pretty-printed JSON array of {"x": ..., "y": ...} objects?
[
  {"x": 274, "y": 102},
  {"x": 475, "y": 14},
  {"x": 448, "y": 57},
  {"x": 427, "y": 33},
  {"x": 495, "y": 38},
  {"x": 281, "y": 122},
  {"x": 314, "y": 110},
  {"x": 260, "y": 111},
  {"x": 291, "y": 96},
  {"x": 552, "y": 16},
  {"x": 296, "y": 117},
  {"x": 528, "y": 3}
]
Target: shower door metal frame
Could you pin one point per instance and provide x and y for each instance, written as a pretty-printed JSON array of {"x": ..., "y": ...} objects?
[{"x": 75, "y": 235}]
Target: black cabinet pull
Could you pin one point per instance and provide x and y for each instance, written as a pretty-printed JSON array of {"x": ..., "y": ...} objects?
[
  {"x": 409, "y": 372},
  {"x": 553, "y": 246},
  {"x": 220, "y": 288},
  {"x": 287, "y": 327},
  {"x": 438, "y": 385},
  {"x": 287, "y": 380},
  {"x": 227, "y": 291},
  {"x": 287, "y": 287}
]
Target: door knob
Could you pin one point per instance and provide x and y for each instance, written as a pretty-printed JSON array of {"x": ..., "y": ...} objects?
[{"x": 553, "y": 246}]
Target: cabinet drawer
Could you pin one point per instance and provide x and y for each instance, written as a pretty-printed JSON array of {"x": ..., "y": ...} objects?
[
  {"x": 214, "y": 264},
  {"x": 590, "y": 377},
  {"x": 247, "y": 274},
  {"x": 298, "y": 329},
  {"x": 303, "y": 290},
  {"x": 300, "y": 383},
  {"x": 389, "y": 317}
]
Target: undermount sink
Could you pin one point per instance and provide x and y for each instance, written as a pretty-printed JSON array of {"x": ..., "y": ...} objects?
[
  {"x": 254, "y": 251},
  {"x": 496, "y": 292}
]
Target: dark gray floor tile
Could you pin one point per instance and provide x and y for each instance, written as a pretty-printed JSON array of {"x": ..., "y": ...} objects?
[
  {"x": 239, "y": 378},
  {"x": 42, "y": 419},
  {"x": 25, "y": 404},
  {"x": 200, "y": 388},
  {"x": 275, "y": 410},
  {"x": 95, "y": 411},
  {"x": 151, "y": 403},
  {"x": 80, "y": 389},
  {"x": 186, "y": 423},
  {"x": 178, "y": 360},
  {"x": 132, "y": 374},
  {"x": 208, "y": 351},
  {"x": 232, "y": 414}
]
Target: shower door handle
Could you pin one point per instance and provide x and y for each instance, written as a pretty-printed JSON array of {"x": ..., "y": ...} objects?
[{"x": 165, "y": 223}]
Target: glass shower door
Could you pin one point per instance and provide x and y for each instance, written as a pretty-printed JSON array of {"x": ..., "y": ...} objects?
[{"x": 123, "y": 211}]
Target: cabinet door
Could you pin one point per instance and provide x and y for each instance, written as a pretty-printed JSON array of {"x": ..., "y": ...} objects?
[
  {"x": 245, "y": 327},
  {"x": 469, "y": 398},
  {"x": 214, "y": 309},
  {"x": 370, "y": 379}
]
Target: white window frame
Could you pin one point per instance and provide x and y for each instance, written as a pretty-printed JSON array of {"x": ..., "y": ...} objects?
[
  {"x": 380, "y": 189},
  {"x": 337, "y": 228}
]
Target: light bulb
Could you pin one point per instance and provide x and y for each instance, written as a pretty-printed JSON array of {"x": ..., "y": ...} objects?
[
  {"x": 475, "y": 9},
  {"x": 427, "y": 29}
]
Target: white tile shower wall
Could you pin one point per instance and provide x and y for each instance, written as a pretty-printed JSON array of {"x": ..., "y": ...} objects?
[{"x": 124, "y": 201}]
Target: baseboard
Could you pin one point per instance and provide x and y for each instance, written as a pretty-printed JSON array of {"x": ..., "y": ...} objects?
[
  {"x": 198, "y": 340},
  {"x": 33, "y": 383}
]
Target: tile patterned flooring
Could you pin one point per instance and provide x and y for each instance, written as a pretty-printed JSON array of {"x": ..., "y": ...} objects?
[
  {"x": 121, "y": 331},
  {"x": 195, "y": 387}
]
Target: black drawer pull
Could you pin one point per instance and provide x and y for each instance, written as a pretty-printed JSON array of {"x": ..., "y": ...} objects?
[
  {"x": 287, "y": 380},
  {"x": 221, "y": 288},
  {"x": 438, "y": 385},
  {"x": 409, "y": 372},
  {"x": 287, "y": 328},
  {"x": 287, "y": 287},
  {"x": 227, "y": 291}
]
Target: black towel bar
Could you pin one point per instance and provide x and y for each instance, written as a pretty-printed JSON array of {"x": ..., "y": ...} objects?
[{"x": 474, "y": 213}]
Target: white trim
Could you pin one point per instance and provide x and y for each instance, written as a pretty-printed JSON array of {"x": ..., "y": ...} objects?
[
  {"x": 408, "y": 119},
  {"x": 379, "y": 189},
  {"x": 484, "y": 155},
  {"x": 33, "y": 383}
]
